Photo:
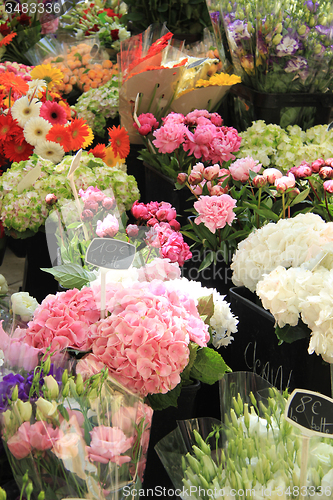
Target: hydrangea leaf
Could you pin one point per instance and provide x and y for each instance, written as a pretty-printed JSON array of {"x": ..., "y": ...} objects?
[
  {"x": 209, "y": 366},
  {"x": 71, "y": 275}
]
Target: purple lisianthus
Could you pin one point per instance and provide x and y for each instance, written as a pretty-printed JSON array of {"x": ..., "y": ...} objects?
[
  {"x": 296, "y": 64},
  {"x": 287, "y": 46},
  {"x": 325, "y": 30},
  {"x": 215, "y": 17},
  {"x": 311, "y": 6},
  {"x": 238, "y": 31}
]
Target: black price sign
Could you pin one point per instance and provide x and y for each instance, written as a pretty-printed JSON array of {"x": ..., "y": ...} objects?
[
  {"x": 311, "y": 412},
  {"x": 110, "y": 253}
]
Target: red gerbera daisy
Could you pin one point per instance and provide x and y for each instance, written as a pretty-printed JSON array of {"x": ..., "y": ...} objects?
[
  {"x": 8, "y": 127},
  {"x": 7, "y": 39},
  {"x": 119, "y": 141},
  {"x": 53, "y": 113},
  {"x": 98, "y": 151},
  {"x": 17, "y": 152},
  {"x": 11, "y": 81},
  {"x": 59, "y": 134},
  {"x": 79, "y": 132}
]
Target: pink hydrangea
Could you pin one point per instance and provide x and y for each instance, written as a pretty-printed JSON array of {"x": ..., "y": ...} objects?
[
  {"x": 215, "y": 211},
  {"x": 108, "y": 227},
  {"x": 159, "y": 269},
  {"x": 63, "y": 320},
  {"x": 240, "y": 169},
  {"x": 144, "y": 340},
  {"x": 169, "y": 137}
]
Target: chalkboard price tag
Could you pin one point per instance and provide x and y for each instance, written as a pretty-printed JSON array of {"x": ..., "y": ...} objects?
[
  {"x": 110, "y": 253},
  {"x": 311, "y": 412}
]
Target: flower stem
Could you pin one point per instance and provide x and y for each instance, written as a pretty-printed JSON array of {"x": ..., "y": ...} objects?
[
  {"x": 326, "y": 203},
  {"x": 283, "y": 207},
  {"x": 259, "y": 201},
  {"x": 313, "y": 189},
  {"x": 190, "y": 188}
]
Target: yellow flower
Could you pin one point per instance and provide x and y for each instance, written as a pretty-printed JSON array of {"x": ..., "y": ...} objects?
[
  {"x": 52, "y": 76},
  {"x": 88, "y": 138},
  {"x": 219, "y": 79},
  {"x": 110, "y": 159}
]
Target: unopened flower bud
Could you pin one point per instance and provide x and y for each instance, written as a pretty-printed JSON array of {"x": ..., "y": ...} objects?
[
  {"x": 302, "y": 30},
  {"x": 217, "y": 190},
  {"x": 65, "y": 391},
  {"x": 326, "y": 173},
  {"x": 25, "y": 478},
  {"x": 317, "y": 164},
  {"x": 277, "y": 39},
  {"x": 3, "y": 495},
  {"x": 195, "y": 178},
  {"x": 212, "y": 172},
  {"x": 329, "y": 162},
  {"x": 47, "y": 365},
  {"x": 79, "y": 384},
  {"x": 41, "y": 495},
  {"x": 181, "y": 178},
  {"x": 52, "y": 387},
  {"x": 29, "y": 490},
  {"x": 328, "y": 186},
  {"x": 271, "y": 174},
  {"x": 64, "y": 377},
  {"x": 24, "y": 409},
  {"x": 109, "y": 203},
  {"x": 294, "y": 192},
  {"x": 259, "y": 181},
  {"x": 132, "y": 230},
  {"x": 51, "y": 199},
  {"x": 15, "y": 393}
]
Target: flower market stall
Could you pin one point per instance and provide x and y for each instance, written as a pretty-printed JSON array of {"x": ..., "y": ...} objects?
[{"x": 166, "y": 178}]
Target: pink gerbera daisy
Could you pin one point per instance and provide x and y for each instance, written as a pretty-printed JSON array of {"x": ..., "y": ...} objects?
[{"x": 53, "y": 113}]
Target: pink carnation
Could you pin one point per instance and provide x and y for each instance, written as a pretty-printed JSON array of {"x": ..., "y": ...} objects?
[
  {"x": 215, "y": 211},
  {"x": 169, "y": 137},
  {"x": 240, "y": 169},
  {"x": 63, "y": 320}
]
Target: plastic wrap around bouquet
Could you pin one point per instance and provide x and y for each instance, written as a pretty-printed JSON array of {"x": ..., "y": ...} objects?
[
  {"x": 177, "y": 82},
  {"x": 254, "y": 453},
  {"x": 72, "y": 435}
]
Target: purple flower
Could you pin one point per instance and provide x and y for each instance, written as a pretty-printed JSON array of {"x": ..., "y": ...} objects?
[
  {"x": 215, "y": 17},
  {"x": 238, "y": 31},
  {"x": 296, "y": 64},
  {"x": 311, "y": 6},
  {"x": 325, "y": 30},
  {"x": 287, "y": 46}
]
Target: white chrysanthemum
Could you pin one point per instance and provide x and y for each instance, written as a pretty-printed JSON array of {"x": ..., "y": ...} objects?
[
  {"x": 35, "y": 130},
  {"x": 50, "y": 151},
  {"x": 36, "y": 87},
  {"x": 287, "y": 243},
  {"x": 23, "y": 110}
]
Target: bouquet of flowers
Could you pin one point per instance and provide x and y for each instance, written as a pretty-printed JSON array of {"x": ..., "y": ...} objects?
[
  {"x": 289, "y": 265},
  {"x": 177, "y": 78},
  {"x": 255, "y": 450},
  {"x": 98, "y": 19},
  {"x": 72, "y": 434}
]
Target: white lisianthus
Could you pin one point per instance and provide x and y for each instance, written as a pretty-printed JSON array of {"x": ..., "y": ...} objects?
[
  {"x": 24, "y": 305},
  {"x": 2, "y": 358}
]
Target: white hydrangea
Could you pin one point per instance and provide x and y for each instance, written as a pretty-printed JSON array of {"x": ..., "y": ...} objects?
[{"x": 287, "y": 243}]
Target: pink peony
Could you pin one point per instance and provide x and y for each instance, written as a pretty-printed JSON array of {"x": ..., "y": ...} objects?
[
  {"x": 176, "y": 249},
  {"x": 215, "y": 211},
  {"x": 107, "y": 445},
  {"x": 317, "y": 164},
  {"x": 211, "y": 172},
  {"x": 285, "y": 182},
  {"x": 173, "y": 118},
  {"x": 19, "y": 444},
  {"x": 108, "y": 227},
  {"x": 193, "y": 117},
  {"x": 240, "y": 169},
  {"x": 301, "y": 171},
  {"x": 165, "y": 212},
  {"x": 132, "y": 230},
  {"x": 139, "y": 210},
  {"x": 169, "y": 137},
  {"x": 63, "y": 320},
  {"x": 328, "y": 186},
  {"x": 159, "y": 269},
  {"x": 225, "y": 142},
  {"x": 271, "y": 174},
  {"x": 148, "y": 123},
  {"x": 92, "y": 194},
  {"x": 198, "y": 143}
]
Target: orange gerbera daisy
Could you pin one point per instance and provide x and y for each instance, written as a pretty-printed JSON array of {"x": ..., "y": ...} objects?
[
  {"x": 80, "y": 133},
  {"x": 17, "y": 151},
  {"x": 119, "y": 141},
  {"x": 98, "y": 151},
  {"x": 59, "y": 133},
  {"x": 16, "y": 83},
  {"x": 7, "y": 39},
  {"x": 8, "y": 127}
]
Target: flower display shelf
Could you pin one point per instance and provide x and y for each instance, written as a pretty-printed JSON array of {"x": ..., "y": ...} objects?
[
  {"x": 249, "y": 104},
  {"x": 256, "y": 348}
]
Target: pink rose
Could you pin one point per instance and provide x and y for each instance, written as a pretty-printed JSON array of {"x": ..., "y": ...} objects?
[
  {"x": 215, "y": 211},
  {"x": 240, "y": 169},
  {"x": 19, "y": 444},
  {"x": 42, "y": 435},
  {"x": 108, "y": 227},
  {"x": 285, "y": 182},
  {"x": 107, "y": 445}
]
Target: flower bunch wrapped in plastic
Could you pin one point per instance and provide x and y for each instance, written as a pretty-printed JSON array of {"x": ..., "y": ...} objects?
[
  {"x": 73, "y": 435},
  {"x": 280, "y": 47},
  {"x": 26, "y": 211},
  {"x": 255, "y": 450},
  {"x": 101, "y": 19}
]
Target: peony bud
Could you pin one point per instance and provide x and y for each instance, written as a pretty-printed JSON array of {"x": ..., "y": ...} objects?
[
  {"x": 317, "y": 164},
  {"x": 217, "y": 190},
  {"x": 174, "y": 224},
  {"x": 52, "y": 387},
  {"x": 271, "y": 174},
  {"x": 328, "y": 186},
  {"x": 326, "y": 173},
  {"x": 285, "y": 182},
  {"x": 195, "y": 178},
  {"x": 181, "y": 178},
  {"x": 329, "y": 162},
  {"x": 87, "y": 215},
  {"x": 109, "y": 203},
  {"x": 51, "y": 199},
  {"x": 212, "y": 172},
  {"x": 132, "y": 230},
  {"x": 259, "y": 181}
]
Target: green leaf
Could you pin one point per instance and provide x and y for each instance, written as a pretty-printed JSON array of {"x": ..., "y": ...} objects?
[
  {"x": 291, "y": 333},
  {"x": 162, "y": 401},
  {"x": 71, "y": 275},
  {"x": 207, "y": 261},
  {"x": 300, "y": 197},
  {"x": 186, "y": 373},
  {"x": 206, "y": 306},
  {"x": 209, "y": 366}
]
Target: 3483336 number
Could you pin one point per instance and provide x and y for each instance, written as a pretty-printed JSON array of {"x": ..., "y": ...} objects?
[{"x": 32, "y": 8}]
